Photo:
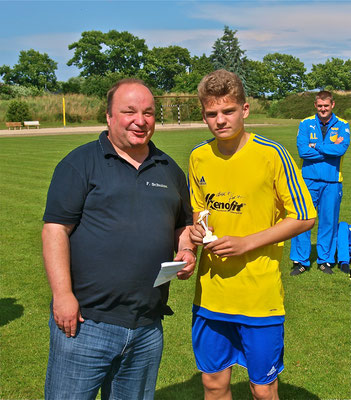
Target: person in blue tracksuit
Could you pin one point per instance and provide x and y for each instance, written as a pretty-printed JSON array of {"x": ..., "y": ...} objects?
[
  {"x": 344, "y": 247},
  {"x": 322, "y": 141}
]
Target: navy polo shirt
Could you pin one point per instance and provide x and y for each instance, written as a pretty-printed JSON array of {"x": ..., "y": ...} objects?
[{"x": 125, "y": 223}]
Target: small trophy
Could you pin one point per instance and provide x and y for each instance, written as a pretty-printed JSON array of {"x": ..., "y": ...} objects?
[{"x": 203, "y": 221}]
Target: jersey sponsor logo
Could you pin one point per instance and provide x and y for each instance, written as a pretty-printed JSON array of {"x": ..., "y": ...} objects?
[
  {"x": 153, "y": 184},
  {"x": 232, "y": 206},
  {"x": 272, "y": 370},
  {"x": 202, "y": 181},
  {"x": 312, "y": 126}
]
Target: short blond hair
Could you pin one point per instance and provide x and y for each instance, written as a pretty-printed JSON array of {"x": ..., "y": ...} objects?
[
  {"x": 324, "y": 95},
  {"x": 221, "y": 83}
]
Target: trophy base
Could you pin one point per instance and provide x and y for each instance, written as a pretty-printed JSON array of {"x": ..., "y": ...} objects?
[{"x": 209, "y": 239}]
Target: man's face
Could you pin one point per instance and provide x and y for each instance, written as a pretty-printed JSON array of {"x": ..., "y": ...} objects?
[
  {"x": 132, "y": 122},
  {"x": 324, "y": 109},
  {"x": 225, "y": 117}
]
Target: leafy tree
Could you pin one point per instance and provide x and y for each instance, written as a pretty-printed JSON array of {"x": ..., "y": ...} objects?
[
  {"x": 73, "y": 85},
  {"x": 227, "y": 54},
  {"x": 259, "y": 79},
  {"x": 335, "y": 74},
  {"x": 163, "y": 64},
  {"x": 288, "y": 73},
  {"x": 32, "y": 69},
  {"x": 97, "y": 53},
  {"x": 202, "y": 65},
  {"x": 187, "y": 82},
  {"x": 97, "y": 85}
]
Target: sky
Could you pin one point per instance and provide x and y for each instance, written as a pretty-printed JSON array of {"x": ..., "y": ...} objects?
[{"x": 313, "y": 31}]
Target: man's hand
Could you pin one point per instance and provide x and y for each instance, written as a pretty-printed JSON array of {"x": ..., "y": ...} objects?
[
  {"x": 228, "y": 246},
  {"x": 339, "y": 140},
  {"x": 66, "y": 314},
  {"x": 189, "y": 256}
]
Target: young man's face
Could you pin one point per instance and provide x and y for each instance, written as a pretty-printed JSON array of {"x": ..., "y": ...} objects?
[
  {"x": 324, "y": 109},
  {"x": 225, "y": 117},
  {"x": 132, "y": 122}
]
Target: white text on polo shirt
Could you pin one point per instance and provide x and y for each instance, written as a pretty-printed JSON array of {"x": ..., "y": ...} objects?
[{"x": 153, "y": 184}]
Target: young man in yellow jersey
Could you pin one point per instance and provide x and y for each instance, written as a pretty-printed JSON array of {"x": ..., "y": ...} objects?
[{"x": 257, "y": 199}]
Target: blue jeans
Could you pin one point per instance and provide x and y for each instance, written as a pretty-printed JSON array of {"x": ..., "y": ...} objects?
[{"x": 123, "y": 362}]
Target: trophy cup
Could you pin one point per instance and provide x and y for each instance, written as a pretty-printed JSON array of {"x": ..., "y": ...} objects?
[{"x": 203, "y": 221}]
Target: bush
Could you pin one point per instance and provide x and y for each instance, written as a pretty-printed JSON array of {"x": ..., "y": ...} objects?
[
  {"x": 18, "y": 111},
  {"x": 101, "y": 113},
  {"x": 347, "y": 114},
  {"x": 8, "y": 92}
]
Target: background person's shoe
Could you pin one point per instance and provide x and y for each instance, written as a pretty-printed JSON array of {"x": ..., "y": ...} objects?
[
  {"x": 298, "y": 269},
  {"x": 344, "y": 267},
  {"x": 326, "y": 268}
]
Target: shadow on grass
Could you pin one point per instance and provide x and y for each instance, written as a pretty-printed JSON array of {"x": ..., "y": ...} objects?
[
  {"x": 9, "y": 310},
  {"x": 192, "y": 390}
]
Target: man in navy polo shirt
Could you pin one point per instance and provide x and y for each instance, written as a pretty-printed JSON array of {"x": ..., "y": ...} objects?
[{"x": 116, "y": 209}]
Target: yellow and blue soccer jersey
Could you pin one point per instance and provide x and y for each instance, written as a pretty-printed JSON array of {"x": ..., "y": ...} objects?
[{"x": 245, "y": 193}]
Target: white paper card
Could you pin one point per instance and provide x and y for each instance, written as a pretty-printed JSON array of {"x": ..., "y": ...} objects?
[{"x": 168, "y": 271}]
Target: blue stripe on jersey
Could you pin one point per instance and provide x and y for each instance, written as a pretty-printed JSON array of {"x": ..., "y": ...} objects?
[
  {"x": 239, "y": 318},
  {"x": 291, "y": 177},
  {"x": 203, "y": 143}
]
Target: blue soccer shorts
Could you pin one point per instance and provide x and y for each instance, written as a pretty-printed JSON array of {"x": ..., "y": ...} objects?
[{"x": 218, "y": 345}]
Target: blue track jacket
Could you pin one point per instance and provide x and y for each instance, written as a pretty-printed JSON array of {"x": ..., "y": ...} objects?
[{"x": 324, "y": 162}]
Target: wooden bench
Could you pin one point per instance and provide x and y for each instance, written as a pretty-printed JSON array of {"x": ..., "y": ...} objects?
[
  {"x": 29, "y": 124},
  {"x": 14, "y": 125}
]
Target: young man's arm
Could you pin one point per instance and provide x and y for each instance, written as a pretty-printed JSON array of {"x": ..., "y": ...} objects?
[
  {"x": 56, "y": 253},
  {"x": 228, "y": 246}
]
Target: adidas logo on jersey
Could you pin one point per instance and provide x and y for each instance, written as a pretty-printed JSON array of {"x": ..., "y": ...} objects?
[{"x": 202, "y": 181}]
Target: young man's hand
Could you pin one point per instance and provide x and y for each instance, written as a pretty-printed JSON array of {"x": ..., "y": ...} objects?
[{"x": 228, "y": 246}]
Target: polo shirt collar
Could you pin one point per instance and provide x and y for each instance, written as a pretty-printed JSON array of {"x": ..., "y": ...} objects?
[{"x": 108, "y": 150}]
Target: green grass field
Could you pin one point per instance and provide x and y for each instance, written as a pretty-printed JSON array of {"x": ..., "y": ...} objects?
[{"x": 317, "y": 337}]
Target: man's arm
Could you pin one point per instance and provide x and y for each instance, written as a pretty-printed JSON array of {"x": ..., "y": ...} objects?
[
  {"x": 56, "y": 253},
  {"x": 228, "y": 246},
  {"x": 338, "y": 148},
  {"x": 186, "y": 251},
  {"x": 306, "y": 152}
]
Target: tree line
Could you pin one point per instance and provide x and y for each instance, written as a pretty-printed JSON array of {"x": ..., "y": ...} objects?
[{"x": 103, "y": 58}]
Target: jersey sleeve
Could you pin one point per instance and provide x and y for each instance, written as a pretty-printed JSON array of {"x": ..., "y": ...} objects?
[
  {"x": 66, "y": 195},
  {"x": 291, "y": 189},
  {"x": 196, "y": 196}
]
